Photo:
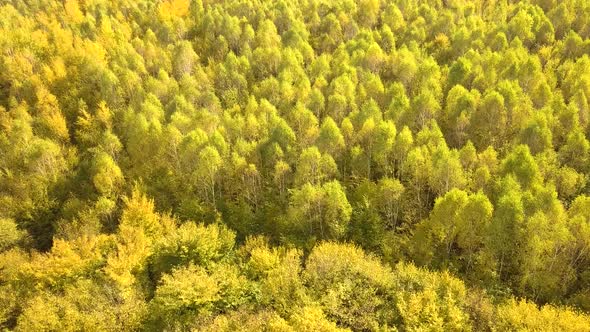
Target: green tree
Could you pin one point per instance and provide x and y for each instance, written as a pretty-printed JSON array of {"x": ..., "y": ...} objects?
[
  {"x": 488, "y": 123},
  {"x": 205, "y": 174},
  {"x": 320, "y": 211}
]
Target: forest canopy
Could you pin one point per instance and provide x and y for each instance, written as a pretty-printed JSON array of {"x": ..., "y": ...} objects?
[{"x": 294, "y": 165}]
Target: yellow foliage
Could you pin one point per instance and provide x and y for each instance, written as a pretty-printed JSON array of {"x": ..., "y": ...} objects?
[
  {"x": 139, "y": 213},
  {"x": 430, "y": 301},
  {"x": 108, "y": 177},
  {"x": 441, "y": 41},
  {"x": 52, "y": 119},
  {"x": 104, "y": 114},
  {"x": 312, "y": 319},
  {"x": 68, "y": 260},
  {"x": 73, "y": 11},
  {"x": 11, "y": 262},
  {"x": 82, "y": 306},
  {"x": 178, "y": 8},
  {"x": 92, "y": 51},
  {"x": 187, "y": 288},
  {"x": 245, "y": 321},
  {"x": 129, "y": 259},
  {"x": 526, "y": 316},
  {"x": 40, "y": 315}
]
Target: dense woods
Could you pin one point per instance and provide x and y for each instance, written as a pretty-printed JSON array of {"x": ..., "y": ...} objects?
[{"x": 294, "y": 165}]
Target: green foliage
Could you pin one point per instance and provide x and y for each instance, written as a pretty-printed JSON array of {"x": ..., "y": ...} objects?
[
  {"x": 10, "y": 235},
  {"x": 183, "y": 165},
  {"x": 322, "y": 211}
]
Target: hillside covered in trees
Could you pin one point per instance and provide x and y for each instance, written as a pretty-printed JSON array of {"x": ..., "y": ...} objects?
[{"x": 294, "y": 165}]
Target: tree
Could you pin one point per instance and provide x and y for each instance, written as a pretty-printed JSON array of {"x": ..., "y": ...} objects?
[
  {"x": 579, "y": 227},
  {"x": 390, "y": 191},
  {"x": 209, "y": 163},
  {"x": 474, "y": 227},
  {"x": 576, "y": 151},
  {"x": 515, "y": 315},
  {"x": 447, "y": 171},
  {"x": 313, "y": 167},
  {"x": 320, "y": 211},
  {"x": 348, "y": 288},
  {"x": 429, "y": 301},
  {"x": 305, "y": 125},
  {"x": 454, "y": 122},
  {"x": 417, "y": 169},
  {"x": 384, "y": 143},
  {"x": 393, "y": 17},
  {"x": 52, "y": 123},
  {"x": 522, "y": 166},
  {"x": 453, "y": 134},
  {"x": 508, "y": 217},
  {"x": 84, "y": 304},
  {"x": 399, "y": 102},
  {"x": 139, "y": 213},
  {"x": 488, "y": 123},
  {"x": 537, "y": 135},
  {"x": 278, "y": 270},
  {"x": 191, "y": 244},
  {"x": 330, "y": 139},
  {"x": 184, "y": 295},
  {"x": 10, "y": 235},
  {"x": 436, "y": 235},
  {"x": 521, "y": 25},
  {"x": 425, "y": 107},
  {"x": 368, "y": 12},
  {"x": 108, "y": 178},
  {"x": 402, "y": 146},
  {"x": 185, "y": 59}
]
